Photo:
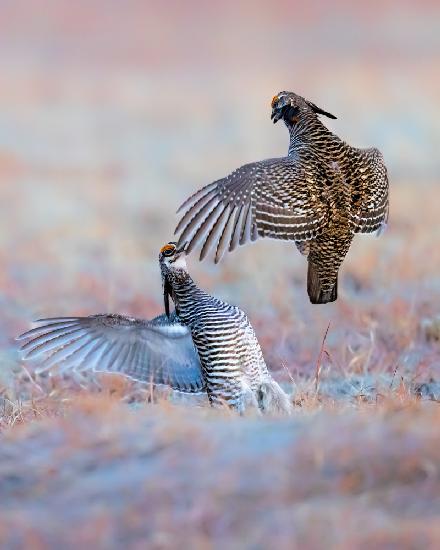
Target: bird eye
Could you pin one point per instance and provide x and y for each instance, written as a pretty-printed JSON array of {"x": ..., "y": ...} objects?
[{"x": 168, "y": 252}]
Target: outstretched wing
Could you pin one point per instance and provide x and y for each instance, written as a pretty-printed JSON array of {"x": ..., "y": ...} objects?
[
  {"x": 157, "y": 351},
  {"x": 274, "y": 198},
  {"x": 372, "y": 213}
]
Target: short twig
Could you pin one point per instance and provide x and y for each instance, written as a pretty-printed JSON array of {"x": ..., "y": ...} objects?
[
  {"x": 33, "y": 382},
  {"x": 394, "y": 374},
  {"x": 319, "y": 361},
  {"x": 284, "y": 365}
]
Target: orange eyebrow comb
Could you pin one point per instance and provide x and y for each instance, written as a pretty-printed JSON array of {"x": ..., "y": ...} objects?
[{"x": 167, "y": 247}]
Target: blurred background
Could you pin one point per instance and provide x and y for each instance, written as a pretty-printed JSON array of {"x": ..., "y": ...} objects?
[{"x": 112, "y": 113}]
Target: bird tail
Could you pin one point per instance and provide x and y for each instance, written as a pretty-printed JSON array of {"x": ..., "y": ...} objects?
[
  {"x": 315, "y": 291},
  {"x": 272, "y": 399}
]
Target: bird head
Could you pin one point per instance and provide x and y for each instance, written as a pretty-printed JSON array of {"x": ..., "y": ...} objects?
[
  {"x": 293, "y": 108},
  {"x": 171, "y": 259}
]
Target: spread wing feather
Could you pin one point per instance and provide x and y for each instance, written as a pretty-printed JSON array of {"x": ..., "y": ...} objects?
[
  {"x": 372, "y": 214},
  {"x": 272, "y": 198},
  {"x": 160, "y": 351}
]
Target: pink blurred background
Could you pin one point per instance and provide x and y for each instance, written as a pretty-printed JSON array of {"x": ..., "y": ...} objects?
[{"x": 112, "y": 113}]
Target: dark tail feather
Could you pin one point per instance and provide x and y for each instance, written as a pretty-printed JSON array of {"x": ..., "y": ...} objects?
[{"x": 316, "y": 294}]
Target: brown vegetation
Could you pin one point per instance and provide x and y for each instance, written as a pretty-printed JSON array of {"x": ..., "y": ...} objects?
[{"x": 93, "y": 472}]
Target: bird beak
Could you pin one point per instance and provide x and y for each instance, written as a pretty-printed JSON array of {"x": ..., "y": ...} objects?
[
  {"x": 277, "y": 113},
  {"x": 181, "y": 248},
  {"x": 179, "y": 252}
]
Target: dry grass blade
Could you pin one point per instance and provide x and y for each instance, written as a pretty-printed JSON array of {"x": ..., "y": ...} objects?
[{"x": 319, "y": 361}]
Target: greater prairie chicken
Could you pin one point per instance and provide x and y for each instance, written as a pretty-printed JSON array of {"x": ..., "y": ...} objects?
[
  {"x": 318, "y": 196},
  {"x": 232, "y": 362},
  {"x": 205, "y": 345}
]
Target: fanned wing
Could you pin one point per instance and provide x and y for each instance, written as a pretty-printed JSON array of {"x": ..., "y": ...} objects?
[
  {"x": 274, "y": 198},
  {"x": 157, "y": 351},
  {"x": 372, "y": 214}
]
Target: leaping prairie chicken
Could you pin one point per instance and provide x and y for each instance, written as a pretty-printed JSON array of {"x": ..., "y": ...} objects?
[
  {"x": 205, "y": 345},
  {"x": 318, "y": 196}
]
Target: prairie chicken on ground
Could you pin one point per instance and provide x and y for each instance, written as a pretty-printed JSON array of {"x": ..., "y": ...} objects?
[
  {"x": 233, "y": 366},
  {"x": 318, "y": 196},
  {"x": 207, "y": 345}
]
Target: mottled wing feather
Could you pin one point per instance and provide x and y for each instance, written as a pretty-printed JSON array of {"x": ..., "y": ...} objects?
[
  {"x": 157, "y": 351},
  {"x": 372, "y": 214},
  {"x": 272, "y": 198}
]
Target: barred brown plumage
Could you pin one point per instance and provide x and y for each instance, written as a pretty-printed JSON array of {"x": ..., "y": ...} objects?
[
  {"x": 318, "y": 196},
  {"x": 232, "y": 362}
]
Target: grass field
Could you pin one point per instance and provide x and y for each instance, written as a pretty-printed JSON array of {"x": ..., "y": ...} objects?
[
  {"x": 109, "y": 118},
  {"x": 109, "y": 463},
  {"x": 82, "y": 469}
]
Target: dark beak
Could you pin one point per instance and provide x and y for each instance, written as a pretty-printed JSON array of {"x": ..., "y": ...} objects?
[
  {"x": 181, "y": 248},
  {"x": 277, "y": 113}
]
